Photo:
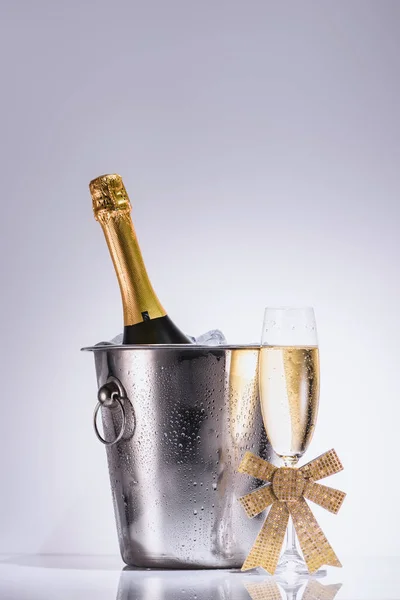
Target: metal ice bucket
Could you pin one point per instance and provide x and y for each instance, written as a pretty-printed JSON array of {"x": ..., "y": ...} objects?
[{"x": 177, "y": 420}]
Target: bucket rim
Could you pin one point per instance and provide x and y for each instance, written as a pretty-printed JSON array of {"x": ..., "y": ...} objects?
[{"x": 101, "y": 346}]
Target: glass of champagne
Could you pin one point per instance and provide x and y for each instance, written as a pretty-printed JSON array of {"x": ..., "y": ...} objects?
[{"x": 289, "y": 394}]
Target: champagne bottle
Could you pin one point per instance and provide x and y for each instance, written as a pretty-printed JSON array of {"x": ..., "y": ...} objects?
[{"x": 145, "y": 320}]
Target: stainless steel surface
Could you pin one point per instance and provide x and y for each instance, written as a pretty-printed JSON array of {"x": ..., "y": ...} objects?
[{"x": 191, "y": 414}]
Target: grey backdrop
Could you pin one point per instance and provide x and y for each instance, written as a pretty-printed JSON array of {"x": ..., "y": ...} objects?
[{"x": 259, "y": 142}]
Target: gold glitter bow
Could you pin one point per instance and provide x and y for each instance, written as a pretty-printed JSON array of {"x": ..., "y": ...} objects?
[{"x": 287, "y": 491}]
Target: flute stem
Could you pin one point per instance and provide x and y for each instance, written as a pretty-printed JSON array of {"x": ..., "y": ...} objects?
[{"x": 290, "y": 461}]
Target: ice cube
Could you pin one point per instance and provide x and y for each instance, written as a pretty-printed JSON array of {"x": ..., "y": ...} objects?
[
  {"x": 215, "y": 337},
  {"x": 117, "y": 340}
]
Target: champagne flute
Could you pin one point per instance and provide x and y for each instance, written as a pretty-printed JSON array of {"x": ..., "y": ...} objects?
[{"x": 289, "y": 394}]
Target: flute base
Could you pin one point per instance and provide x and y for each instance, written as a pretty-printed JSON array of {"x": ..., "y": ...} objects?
[{"x": 291, "y": 562}]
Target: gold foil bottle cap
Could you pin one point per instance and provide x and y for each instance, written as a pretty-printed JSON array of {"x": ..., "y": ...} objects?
[{"x": 109, "y": 195}]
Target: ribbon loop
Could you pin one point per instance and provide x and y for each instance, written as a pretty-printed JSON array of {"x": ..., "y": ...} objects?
[
  {"x": 257, "y": 501},
  {"x": 323, "y": 466},
  {"x": 325, "y": 496},
  {"x": 256, "y": 467}
]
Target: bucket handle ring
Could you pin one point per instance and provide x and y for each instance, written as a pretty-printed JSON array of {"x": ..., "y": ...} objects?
[{"x": 110, "y": 394}]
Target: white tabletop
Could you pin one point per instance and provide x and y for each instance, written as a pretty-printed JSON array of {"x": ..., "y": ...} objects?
[{"x": 105, "y": 578}]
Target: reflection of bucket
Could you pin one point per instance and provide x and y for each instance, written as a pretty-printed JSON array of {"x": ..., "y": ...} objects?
[
  {"x": 184, "y": 416},
  {"x": 202, "y": 585}
]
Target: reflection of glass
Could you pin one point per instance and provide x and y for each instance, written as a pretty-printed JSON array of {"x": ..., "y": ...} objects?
[
  {"x": 289, "y": 393},
  {"x": 271, "y": 590}
]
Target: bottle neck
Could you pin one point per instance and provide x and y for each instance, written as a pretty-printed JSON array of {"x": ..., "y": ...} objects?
[{"x": 139, "y": 300}]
